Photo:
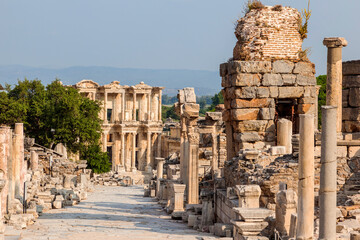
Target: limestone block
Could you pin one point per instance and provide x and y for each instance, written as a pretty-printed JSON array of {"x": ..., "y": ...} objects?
[
  {"x": 223, "y": 69},
  {"x": 251, "y": 125},
  {"x": 351, "y": 126},
  {"x": 57, "y": 204},
  {"x": 192, "y": 220},
  {"x": 247, "y": 137},
  {"x": 354, "y": 151},
  {"x": 306, "y": 108},
  {"x": 267, "y": 113},
  {"x": 253, "y": 103},
  {"x": 191, "y": 110},
  {"x": 245, "y": 92},
  {"x": 341, "y": 151},
  {"x": 245, "y": 79},
  {"x": 249, "y": 67},
  {"x": 351, "y": 68},
  {"x": 225, "y": 82},
  {"x": 270, "y": 79},
  {"x": 354, "y": 97},
  {"x": 311, "y": 91},
  {"x": 291, "y": 92},
  {"x": 304, "y": 67},
  {"x": 248, "y": 195},
  {"x": 249, "y": 228},
  {"x": 259, "y": 145},
  {"x": 220, "y": 229},
  {"x": 351, "y": 114},
  {"x": 253, "y": 214},
  {"x": 189, "y": 94},
  {"x": 244, "y": 114},
  {"x": 308, "y": 100},
  {"x": 181, "y": 96},
  {"x": 227, "y": 103},
  {"x": 277, "y": 150},
  {"x": 283, "y": 66},
  {"x": 262, "y": 92},
  {"x": 288, "y": 79},
  {"x": 270, "y": 137},
  {"x": 229, "y": 93},
  {"x": 305, "y": 80},
  {"x": 273, "y": 92},
  {"x": 214, "y": 116},
  {"x": 351, "y": 81},
  {"x": 286, "y": 203},
  {"x": 270, "y": 126}
]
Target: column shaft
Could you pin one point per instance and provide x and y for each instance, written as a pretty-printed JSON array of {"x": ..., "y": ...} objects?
[
  {"x": 134, "y": 106},
  {"x": 133, "y": 159},
  {"x": 122, "y": 157},
  {"x": 105, "y": 108}
]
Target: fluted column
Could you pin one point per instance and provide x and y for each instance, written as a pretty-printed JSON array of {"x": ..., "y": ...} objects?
[
  {"x": 122, "y": 156},
  {"x": 149, "y": 107},
  {"x": 105, "y": 108},
  {"x": 148, "y": 152},
  {"x": 133, "y": 156},
  {"x": 134, "y": 106},
  {"x": 160, "y": 110},
  {"x": 123, "y": 107}
]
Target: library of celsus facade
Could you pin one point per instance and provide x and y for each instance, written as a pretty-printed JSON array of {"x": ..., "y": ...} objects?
[{"x": 132, "y": 126}]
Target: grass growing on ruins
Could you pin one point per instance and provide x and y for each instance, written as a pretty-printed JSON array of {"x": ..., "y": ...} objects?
[
  {"x": 253, "y": 4},
  {"x": 304, "y": 21}
]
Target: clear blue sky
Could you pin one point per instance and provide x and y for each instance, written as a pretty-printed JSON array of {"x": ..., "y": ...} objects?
[{"x": 159, "y": 34}]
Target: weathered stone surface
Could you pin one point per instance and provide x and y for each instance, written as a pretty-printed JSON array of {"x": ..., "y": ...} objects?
[
  {"x": 289, "y": 79},
  {"x": 189, "y": 94},
  {"x": 262, "y": 92},
  {"x": 225, "y": 82},
  {"x": 351, "y": 126},
  {"x": 306, "y": 108},
  {"x": 251, "y": 125},
  {"x": 351, "y": 81},
  {"x": 277, "y": 150},
  {"x": 191, "y": 110},
  {"x": 253, "y": 103},
  {"x": 245, "y": 92},
  {"x": 244, "y": 114},
  {"x": 354, "y": 151},
  {"x": 273, "y": 92},
  {"x": 247, "y": 137},
  {"x": 249, "y": 67},
  {"x": 253, "y": 214},
  {"x": 311, "y": 91},
  {"x": 223, "y": 69},
  {"x": 291, "y": 92},
  {"x": 283, "y": 66},
  {"x": 221, "y": 228},
  {"x": 351, "y": 114},
  {"x": 248, "y": 195},
  {"x": 305, "y": 80},
  {"x": 229, "y": 93},
  {"x": 245, "y": 79},
  {"x": 354, "y": 97},
  {"x": 270, "y": 79},
  {"x": 351, "y": 67},
  {"x": 304, "y": 67},
  {"x": 267, "y": 113}
]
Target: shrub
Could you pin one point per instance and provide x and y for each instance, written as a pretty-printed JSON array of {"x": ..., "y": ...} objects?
[
  {"x": 303, "y": 22},
  {"x": 97, "y": 160},
  {"x": 253, "y": 4}
]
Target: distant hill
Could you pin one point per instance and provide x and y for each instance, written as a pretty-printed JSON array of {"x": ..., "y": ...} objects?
[{"x": 204, "y": 82}]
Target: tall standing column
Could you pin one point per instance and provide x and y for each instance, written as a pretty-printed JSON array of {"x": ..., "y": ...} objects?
[
  {"x": 134, "y": 106},
  {"x": 158, "y": 150},
  {"x": 123, "y": 107},
  {"x": 18, "y": 156},
  {"x": 193, "y": 168},
  {"x": 159, "y": 109},
  {"x": 133, "y": 156},
  {"x": 116, "y": 107},
  {"x": 148, "y": 152},
  {"x": 105, "y": 108},
  {"x": 122, "y": 156},
  {"x": 214, "y": 161},
  {"x": 149, "y": 107},
  {"x": 328, "y": 173},
  {"x": 114, "y": 155},
  {"x": 305, "y": 226},
  {"x": 284, "y": 134},
  {"x": 104, "y": 141},
  {"x": 334, "y": 75}
]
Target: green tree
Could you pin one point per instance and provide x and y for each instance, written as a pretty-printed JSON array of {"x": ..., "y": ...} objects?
[
  {"x": 321, "y": 80},
  {"x": 169, "y": 112},
  {"x": 216, "y": 100},
  {"x": 96, "y": 159},
  {"x": 11, "y": 111}
]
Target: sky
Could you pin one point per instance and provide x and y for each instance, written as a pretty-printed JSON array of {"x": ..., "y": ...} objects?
[{"x": 152, "y": 34}]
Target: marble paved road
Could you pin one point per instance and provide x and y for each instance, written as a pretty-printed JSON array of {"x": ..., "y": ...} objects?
[{"x": 109, "y": 213}]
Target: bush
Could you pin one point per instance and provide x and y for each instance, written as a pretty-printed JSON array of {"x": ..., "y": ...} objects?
[{"x": 97, "y": 160}]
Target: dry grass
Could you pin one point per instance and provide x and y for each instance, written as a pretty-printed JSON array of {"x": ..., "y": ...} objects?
[
  {"x": 303, "y": 22},
  {"x": 304, "y": 54},
  {"x": 253, "y": 4},
  {"x": 277, "y": 8}
]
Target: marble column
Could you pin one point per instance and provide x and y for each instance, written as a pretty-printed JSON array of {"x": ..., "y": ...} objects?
[
  {"x": 214, "y": 160},
  {"x": 160, "y": 171},
  {"x": 123, "y": 106},
  {"x": 18, "y": 156},
  {"x": 193, "y": 168},
  {"x": 334, "y": 75},
  {"x": 104, "y": 141},
  {"x": 127, "y": 153},
  {"x": 148, "y": 153},
  {"x": 133, "y": 156},
  {"x": 116, "y": 108},
  {"x": 149, "y": 107},
  {"x": 284, "y": 134},
  {"x": 122, "y": 156},
  {"x": 34, "y": 161},
  {"x": 158, "y": 149},
  {"x": 159, "y": 109},
  {"x": 105, "y": 108},
  {"x": 134, "y": 107},
  {"x": 114, "y": 155},
  {"x": 328, "y": 173},
  {"x": 305, "y": 226}
]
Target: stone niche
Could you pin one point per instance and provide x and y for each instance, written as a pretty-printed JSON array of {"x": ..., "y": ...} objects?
[
  {"x": 266, "y": 80},
  {"x": 351, "y": 96}
]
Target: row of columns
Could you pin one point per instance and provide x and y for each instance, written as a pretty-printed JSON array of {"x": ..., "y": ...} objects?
[{"x": 115, "y": 115}]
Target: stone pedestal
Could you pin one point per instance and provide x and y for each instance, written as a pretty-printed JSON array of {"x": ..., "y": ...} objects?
[
  {"x": 284, "y": 134},
  {"x": 334, "y": 76},
  {"x": 248, "y": 195},
  {"x": 286, "y": 202},
  {"x": 179, "y": 190},
  {"x": 305, "y": 226},
  {"x": 328, "y": 174}
]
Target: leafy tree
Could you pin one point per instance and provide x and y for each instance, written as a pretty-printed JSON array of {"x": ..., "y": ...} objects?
[
  {"x": 11, "y": 111},
  {"x": 96, "y": 159},
  {"x": 169, "y": 112},
  {"x": 216, "y": 100},
  {"x": 321, "y": 80}
]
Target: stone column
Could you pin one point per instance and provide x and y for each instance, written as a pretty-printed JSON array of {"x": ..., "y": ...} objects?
[
  {"x": 305, "y": 226},
  {"x": 159, "y": 109},
  {"x": 104, "y": 141},
  {"x": 116, "y": 108},
  {"x": 123, "y": 106},
  {"x": 160, "y": 167},
  {"x": 334, "y": 75},
  {"x": 18, "y": 156},
  {"x": 214, "y": 160},
  {"x": 148, "y": 153},
  {"x": 114, "y": 155},
  {"x": 158, "y": 149},
  {"x": 149, "y": 107},
  {"x": 284, "y": 134},
  {"x": 105, "y": 108},
  {"x": 328, "y": 173},
  {"x": 34, "y": 161},
  {"x": 127, "y": 153},
  {"x": 133, "y": 156},
  {"x": 134, "y": 106},
  {"x": 122, "y": 156},
  {"x": 193, "y": 168}
]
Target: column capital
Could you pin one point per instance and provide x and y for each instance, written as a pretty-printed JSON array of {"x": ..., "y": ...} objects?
[{"x": 335, "y": 42}]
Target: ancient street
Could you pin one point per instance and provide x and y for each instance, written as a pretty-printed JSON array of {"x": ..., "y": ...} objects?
[{"x": 109, "y": 213}]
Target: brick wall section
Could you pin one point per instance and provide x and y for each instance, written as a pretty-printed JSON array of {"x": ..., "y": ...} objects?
[
  {"x": 251, "y": 90},
  {"x": 351, "y": 96},
  {"x": 267, "y": 34}
]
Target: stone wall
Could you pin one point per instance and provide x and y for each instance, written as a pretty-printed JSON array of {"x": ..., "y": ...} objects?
[
  {"x": 351, "y": 96},
  {"x": 258, "y": 93},
  {"x": 268, "y": 33}
]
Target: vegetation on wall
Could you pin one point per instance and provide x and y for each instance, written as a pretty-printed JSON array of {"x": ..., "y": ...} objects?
[
  {"x": 321, "y": 80},
  {"x": 253, "y": 4},
  {"x": 304, "y": 21},
  {"x": 55, "y": 114}
]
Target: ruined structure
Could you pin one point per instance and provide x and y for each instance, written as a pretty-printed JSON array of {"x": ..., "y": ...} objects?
[
  {"x": 267, "y": 80},
  {"x": 132, "y": 126}
]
